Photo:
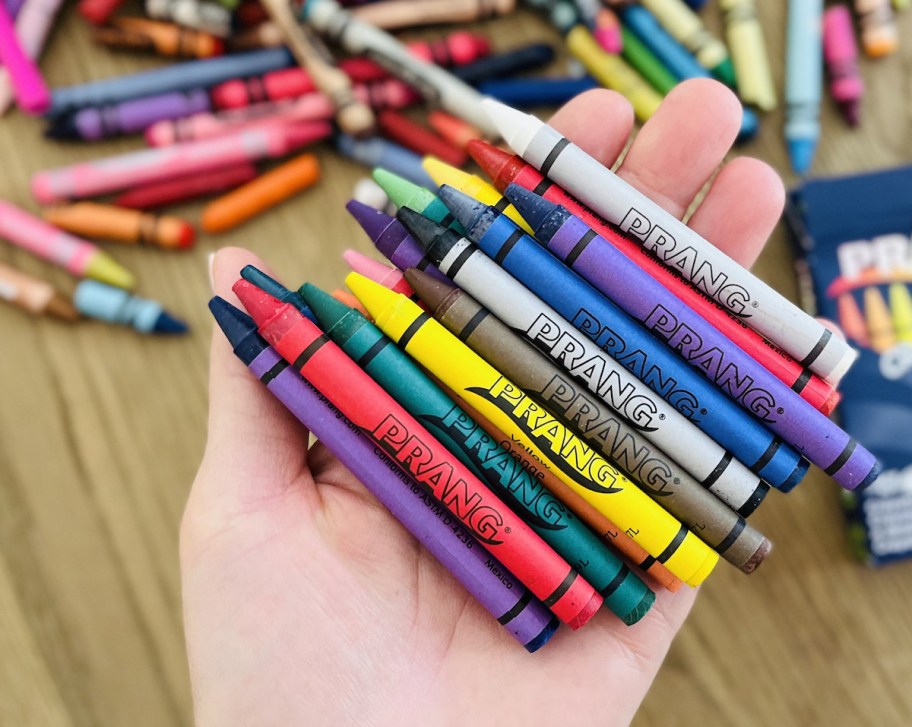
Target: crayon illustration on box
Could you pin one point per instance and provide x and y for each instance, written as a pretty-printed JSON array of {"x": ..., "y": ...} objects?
[{"x": 854, "y": 233}]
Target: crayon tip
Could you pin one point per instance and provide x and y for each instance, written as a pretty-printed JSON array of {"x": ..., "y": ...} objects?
[
  {"x": 104, "y": 268},
  {"x": 641, "y": 609},
  {"x": 401, "y": 191},
  {"x": 253, "y": 274},
  {"x": 327, "y": 309},
  {"x": 851, "y": 109},
  {"x": 801, "y": 154},
  {"x": 758, "y": 557},
  {"x": 260, "y": 305},
  {"x": 62, "y": 308},
  {"x": 535, "y": 210},
  {"x": 186, "y": 236},
  {"x": 373, "y": 296},
  {"x": 465, "y": 209},
  {"x": 239, "y": 329},
  {"x": 424, "y": 230},
  {"x": 63, "y": 128},
  {"x": 544, "y": 637},
  {"x": 432, "y": 291},
  {"x": 372, "y": 221},
  {"x": 443, "y": 173},
  {"x": 492, "y": 160},
  {"x": 587, "y": 612},
  {"x": 166, "y": 323},
  {"x": 517, "y": 128}
]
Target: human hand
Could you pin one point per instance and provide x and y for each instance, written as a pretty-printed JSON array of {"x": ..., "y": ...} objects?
[{"x": 306, "y": 604}]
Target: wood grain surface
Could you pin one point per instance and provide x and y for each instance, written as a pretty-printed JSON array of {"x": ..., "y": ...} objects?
[{"x": 101, "y": 431}]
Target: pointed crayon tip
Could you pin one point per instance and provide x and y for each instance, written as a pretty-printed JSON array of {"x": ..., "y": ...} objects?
[
  {"x": 166, "y": 323},
  {"x": 373, "y": 296},
  {"x": 326, "y": 308},
  {"x": 493, "y": 161},
  {"x": 443, "y": 173},
  {"x": 432, "y": 291},
  {"x": 401, "y": 191},
  {"x": 239, "y": 329},
  {"x": 465, "y": 208},
  {"x": 517, "y": 128},
  {"x": 423, "y": 229},
  {"x": 801, "y": 154},
  {"x": 372, "y": 221},
  {"x": 260, "y": 305},
  {"x": 534, "y": 209},
  {"x": 267, "y": 284}
]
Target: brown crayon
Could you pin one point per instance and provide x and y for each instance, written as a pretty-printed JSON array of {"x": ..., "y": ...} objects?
[
  {"x": 121, "y": 224},
  {"x": 153, "y": 36},
  {"x": 34, "y": 295}
]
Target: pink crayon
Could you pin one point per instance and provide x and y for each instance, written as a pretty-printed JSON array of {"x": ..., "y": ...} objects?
[
  {"x": 607, "y": 31},
  {"x": 385, "y": 275},
  {"x": 72, "y": 253},
  {"x": 840, "y": 52},
  {"x": 29, "y": 88},
  {"x": 33, "y": 23},
  {"x": 101, "y": 176}
]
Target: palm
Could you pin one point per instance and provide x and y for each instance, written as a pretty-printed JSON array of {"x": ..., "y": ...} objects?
[{"x": 305, "y": 602}]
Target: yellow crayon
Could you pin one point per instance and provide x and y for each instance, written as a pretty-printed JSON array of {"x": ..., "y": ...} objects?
[
  {"x": 748, "y": 49},
  {"x": 880, "y": 322},
  {"x": 506, "y": 406},
  {"x": 901, "y": 310},
  {"x": 851, "y": 320},
  {"x": 474, "y": 186},
  {"x": 613, "y": 72}
]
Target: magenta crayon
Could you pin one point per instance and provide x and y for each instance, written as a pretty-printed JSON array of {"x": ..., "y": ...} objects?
[
  {"x": 386, "y": 276},
  {"x": 182, "y": 189},
  {"x": 98, "y": 12},
  {"x": 840, "y": 52},
  {"x": 80, "y": 257},
  {"x": 29, "y": 89},
  {"x": 101, "y": 176},
  {"x": 33, "y": 24}
]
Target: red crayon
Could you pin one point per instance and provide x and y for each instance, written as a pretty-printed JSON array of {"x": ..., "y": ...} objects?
[
  {"x": 503, "y": 168},
  {"x": 411, "y": 446},
  {"x": 175, "y": 191},
  {"x": 98, "y": 12},
  {"x": 414, "y": 136},
  {"x": 456, "y": 131}
]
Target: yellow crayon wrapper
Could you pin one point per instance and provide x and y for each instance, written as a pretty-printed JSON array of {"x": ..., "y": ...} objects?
[{"x": 507, "y": 407}]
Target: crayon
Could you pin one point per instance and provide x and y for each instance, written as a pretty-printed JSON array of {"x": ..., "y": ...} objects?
[
  {"x": 803, "y": 79},
  {"x": 33, "y": 24},
  {"x": 265, "y": 35},
  {"x": 392, "y": 239},
  {"x": 418, "y": 138},
  {"x": 98, "y": 12},
  {"x": 184, "y": 76},
  {"x": 79, "y": 257},
  {"x": 660, "y": 423},
  {"x": 748, "y": 49},
  {"x": 731, "y": 372},
  {"x": 686, "y": 27},
  {"x": 34, "y": 295},
  {"x": 877, "y": 24},
  {"x": 456, "y": 131},
  {"x": 120, "y": 224},
  {"x": 273, "y": 287},
  {"x": 901, "y": 310},
  {"x": 127, "y": 117},
  {"x": 195, "y": 14},
  {"x": 413, "y": 449},
  {"x": 133, "y": 169},
  {"x": 250, "y": 13},
  {"x": 263, "y": 193},
  {"x": 379, "y": 273},
  {"x": 879, "y": 322},
  {"x": 29, "y": 89},
  {"x": 115, "y": 305},
  {"x": 370, "y": 194},
  {"x": 475, "y": 187},
  {"x": 398, "y": 14},
  {"x": 607, "y": 31},
  {"x": 631, "y": 345},
  {"x": 624, "y": 593},
  {"x": 840, "y": 53},
  {"x": 613, "y": 72},
  {"x": 503, "y": 65},
  {"x": 494, "y": 396},
  {"x": 645, "y": 62},
  {"x": 376, "y": 152},
  {"x": 504, "y": 170},
  {"x": 526, "y": 92},
  {"x": 438, "y": 87},
  {"x": 182, "y": 189},
  {"x": 663, "y": 480},
  {"x": 676, "y": 245},
  {"x": 852, "y": 320},
  {"x": 346, "y": 298},
  {"x": 404, "y": 193},
  {"x": 152, "y": 36},
  {"x": 524, "y": 617}
]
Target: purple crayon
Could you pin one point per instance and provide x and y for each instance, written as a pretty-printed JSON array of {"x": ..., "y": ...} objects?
[
  {"x": 128, "y": 117},
  {"x": 392, "y": 239},
  {"x": 700, "y": 344},
  {"x": 527, "y": 620}
]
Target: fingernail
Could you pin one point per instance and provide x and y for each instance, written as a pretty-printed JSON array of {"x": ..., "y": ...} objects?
[{"x": 210, "y": 263}]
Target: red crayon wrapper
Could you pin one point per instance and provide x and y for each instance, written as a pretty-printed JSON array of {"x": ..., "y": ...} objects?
[
  {"x": 414, "y": 136},
  {"x": 98, "y": 12},
  {"x": 175, "y": 191},
  {"x": 411, "y": 446}
]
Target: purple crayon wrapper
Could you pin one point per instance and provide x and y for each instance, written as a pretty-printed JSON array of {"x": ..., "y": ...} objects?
[
  {"x": 13, "y": 7},
  {"x": 485, "y": 578},
  {"x": 134, "y": 117}
]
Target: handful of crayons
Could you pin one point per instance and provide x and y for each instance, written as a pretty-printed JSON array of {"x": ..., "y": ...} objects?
[{"x": 555, "y": 393}]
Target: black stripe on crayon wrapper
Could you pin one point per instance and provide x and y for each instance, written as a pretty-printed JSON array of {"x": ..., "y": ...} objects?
[
  {"x": 766, "y": 456},
  {"x": 508, "y": 245},
  {"x": 148, "y": 228},
  {"x": 754, "y": 500},
  {"x": 423, "y": 263},
  {"x": 818, "y": 349},
  {"x": 802, "y": 381},
  {"x": 372, "y": 352},
  {"x": 673, "y": 545},
  {"x": 842, "y": 458},
  {"x": 279, "y": 367},
  {"x": 579, "y": 247},
  {"x": 517, "y": 609},
  {"x": 543, "y": 186},
  {"x": 711, "y": 478},
  {"x": 447, "y": 220},
  {"x": 453, "y": 270},
  {"x": 616, "y": 581},
  {"x": 732, "y": 536},
  {"x": 561, "y": 589},
  {"x": 413, "y": 329},
  {"x": 553, "y": 155},
  {"x": 502, "y": 204},
  {"x": 308, "y": 352},
  {"x": 469, "y": 328}
]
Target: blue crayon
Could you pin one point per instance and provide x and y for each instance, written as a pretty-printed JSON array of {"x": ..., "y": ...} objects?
[
  {"x": 176, "y": 77},
  {"x": 509, "y": 63},
  {"x": 627, "y": 342},
  {"x": 526, "y": 92},
  {"x": 803, "y": 81},
  {"x": 376, "y": 152},
  {"x": 115, "y": 305}
]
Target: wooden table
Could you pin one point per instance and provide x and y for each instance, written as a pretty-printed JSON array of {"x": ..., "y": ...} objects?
[{"x": 101, "y": 431}]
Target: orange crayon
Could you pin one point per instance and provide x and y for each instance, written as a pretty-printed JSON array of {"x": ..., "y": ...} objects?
[
  {"x": 155, "y": 36},
  {"x": 880, "y": 322},
  {"x": 346, "y": 298},
  {"x": 456, "y": 131},
  {"x": 121, "y": 224},
  {"x": 851, "y": 320},
  {"x": 259, "y": 195},
  {"x": 36, "y": 296}
]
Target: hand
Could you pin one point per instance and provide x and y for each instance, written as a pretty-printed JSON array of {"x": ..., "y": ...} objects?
[{"x": 306, "y": 604}]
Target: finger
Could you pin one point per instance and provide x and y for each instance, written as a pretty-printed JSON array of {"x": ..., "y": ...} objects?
[
  {"x": 598, "y": 121},
  {"x": 680, "y": 147},
  {"x": 741, "y": 209}
]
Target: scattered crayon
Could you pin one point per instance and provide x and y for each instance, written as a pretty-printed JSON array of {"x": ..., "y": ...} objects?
[
  {"x": 841, "y": 55},
  {"x": 98, "y": 12},
  {"x": 384, "y": 275},
  {"x": 398, "y": 14},
  {"x": 263, "y": 193},
  {"x": 115, "y": 305},
  {"x": 703, "y": 264},
  {"x": 182, "y": 189},
  {"x": 33, "y": 25},
  {"x": 901, "y": 310},
  {"x": 265, "y": 35},
  {"x": 34, "y": 295},
  {"x": 530, "y": 92},
  {"x": 881, "y": 333},
  {"x": 504, "y": 65},
  {"x": 79, "y": 257},
  {"x": 748, "y": 49},
  {"x": 500, "y": 400},
  {"x": 607, "y": 31},
  {"x": 376, "y": 152},
  {"x": 524, "y": 617},
  {"x": 29, "y": 89},
  {"x": 396, "y": 432},
  {"x": 645, "y": 62},
  {"x": 108, "y": 222},
  {"x": 152, "y": 36},
  {"x": 803, "y": 80},
  {"x": 195, "y": 14},
  {"x": 418, "y": 138},
  {"x": 456, "y": 131},
  {"x": 852, "y": 320},
  {"x": 370, "y": 194},
  {"x": 877, "y": 24}
]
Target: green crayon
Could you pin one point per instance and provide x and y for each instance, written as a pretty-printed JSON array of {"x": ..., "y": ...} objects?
[
  {"x": 646, "y": 63},
  {"x": 625, "y": 594},
  {"x": 404, "y": 193}
]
